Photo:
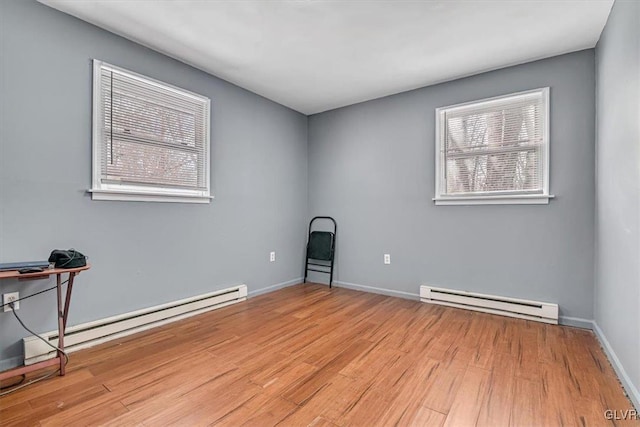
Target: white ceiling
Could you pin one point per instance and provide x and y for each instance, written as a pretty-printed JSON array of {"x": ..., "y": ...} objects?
[{"x": 316, "y": 55}]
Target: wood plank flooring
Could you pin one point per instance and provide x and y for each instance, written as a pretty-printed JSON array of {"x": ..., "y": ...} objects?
[{"x": 310, "y": 356}]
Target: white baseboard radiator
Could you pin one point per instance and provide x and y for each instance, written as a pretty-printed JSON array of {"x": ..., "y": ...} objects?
[
  {"x": 100, "y": 331},
  {"x": 512, "y": 307}
]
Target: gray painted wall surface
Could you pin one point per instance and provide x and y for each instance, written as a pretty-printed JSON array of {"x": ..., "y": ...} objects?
[
  {"x": 140, "y": 251},
  {"x": 371, "y": 166},
  {"x": 617, "y": 290}
]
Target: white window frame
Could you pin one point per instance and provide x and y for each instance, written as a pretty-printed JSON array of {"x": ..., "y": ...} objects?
[
  {"x": 129, "y": 192},
  {"x": 519, "y": 198}
]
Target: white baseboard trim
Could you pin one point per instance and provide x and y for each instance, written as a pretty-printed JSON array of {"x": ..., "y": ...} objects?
[
  {"x": 629, "y": 387},
  {"x": 12, "y": 362},
  {"x": 275, "y": 287},
  {"x": 374, "y": 290},
  {"x": 576, "y": 322}
]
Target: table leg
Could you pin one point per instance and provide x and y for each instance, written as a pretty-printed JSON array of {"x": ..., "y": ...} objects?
[
  {"x": 67, "y": 300},
  {"x": 61, "y": 322}
]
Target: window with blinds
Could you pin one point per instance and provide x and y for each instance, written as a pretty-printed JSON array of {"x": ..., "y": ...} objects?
[
  {"x": 150, "y": 139},
  {"x": 494, "y": 151}
]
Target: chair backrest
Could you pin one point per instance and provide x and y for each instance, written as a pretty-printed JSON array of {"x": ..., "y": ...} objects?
[{"x": 320, "y": 245}]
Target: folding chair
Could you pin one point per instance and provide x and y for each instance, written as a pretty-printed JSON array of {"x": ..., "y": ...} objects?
[{"x": 321, "y": 247}]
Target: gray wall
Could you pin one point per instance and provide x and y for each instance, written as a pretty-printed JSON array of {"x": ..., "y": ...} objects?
[
  {"x": 371, "y": 166},
  {"x": 143, "y": 254},
  {"x": 617, "y": 290}
]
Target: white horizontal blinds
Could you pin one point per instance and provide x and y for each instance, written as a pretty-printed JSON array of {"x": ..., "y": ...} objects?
[
  {"x": 153, "y": 135},
  {"x": 496, "y": 146}
]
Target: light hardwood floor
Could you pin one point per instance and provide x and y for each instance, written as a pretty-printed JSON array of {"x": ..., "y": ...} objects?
[{"x": 307, "y": 355}]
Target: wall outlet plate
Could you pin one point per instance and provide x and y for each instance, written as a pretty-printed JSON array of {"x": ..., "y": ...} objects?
[
  {"x": 272, "y": 257},
  {"x": 387, "y": 258},
  {"x": 10, "y": 297}
]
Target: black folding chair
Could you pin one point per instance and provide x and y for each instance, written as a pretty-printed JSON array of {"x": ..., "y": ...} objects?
[{"x": 321, "y": 248}]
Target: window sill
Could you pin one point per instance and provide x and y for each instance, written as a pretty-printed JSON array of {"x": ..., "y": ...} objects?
[
  {"x": 134, "y": 196},
  {"x": 523, "y": 199}
]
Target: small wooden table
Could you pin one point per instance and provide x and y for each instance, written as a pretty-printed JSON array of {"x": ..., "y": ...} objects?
[{"x": 63, "y": 314}]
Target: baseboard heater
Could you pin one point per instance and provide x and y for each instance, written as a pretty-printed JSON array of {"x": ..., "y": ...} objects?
[
  {"x": 100, "y": 331},
  {"x": 512, "y": 307}
]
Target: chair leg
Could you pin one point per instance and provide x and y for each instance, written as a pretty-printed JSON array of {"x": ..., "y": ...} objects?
[
  {"x": 331, "y": 274},
  {"x": 306, "y": 266}
]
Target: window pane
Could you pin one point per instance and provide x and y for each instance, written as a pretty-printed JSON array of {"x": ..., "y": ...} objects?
[
  {"x": 507, "y": 128},
  {"x": 150, "y": 120},
  {"x": 151, "y": 164},
  {"x": 515, "y": 171}
]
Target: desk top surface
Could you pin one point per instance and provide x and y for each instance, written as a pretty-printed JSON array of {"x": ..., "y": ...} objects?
[{"x": 15, "y": 274}]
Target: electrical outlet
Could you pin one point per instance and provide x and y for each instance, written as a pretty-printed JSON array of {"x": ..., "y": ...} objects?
[
  {"x": 272, "y": 257},
  {"x": 387, "y": 258},
  {"x": 10, "y": 297}
]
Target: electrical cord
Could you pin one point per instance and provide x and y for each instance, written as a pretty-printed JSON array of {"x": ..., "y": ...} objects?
[
  {"x": 44, "y": 377},
  {"x": 33, "y": 295},
  {"x": 24, "y": 377}
]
